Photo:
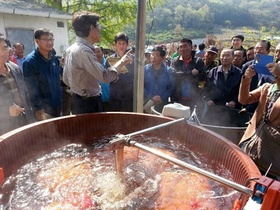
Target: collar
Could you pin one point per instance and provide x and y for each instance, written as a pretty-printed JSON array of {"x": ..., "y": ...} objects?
[
  {"x": 8, "y": 71},
  {"x": 85, "y": 42},
  {"x": 51, "y": 55},
  {"x": 274, "y": 88},
  {"x": 162, "y": 66},
  {"x": 220, "y": 69},
  {"x": 181, "y": 59}
]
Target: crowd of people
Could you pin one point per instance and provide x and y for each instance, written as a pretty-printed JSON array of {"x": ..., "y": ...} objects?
[{"x": 41, "y": 86}]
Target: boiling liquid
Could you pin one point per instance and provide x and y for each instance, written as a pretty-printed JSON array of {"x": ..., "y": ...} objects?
[{"x": 84, "y": 177}]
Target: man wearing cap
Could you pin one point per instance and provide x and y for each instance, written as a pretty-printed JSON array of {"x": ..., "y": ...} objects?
[
  {"x": 210, "y": 58},
  {"x": 148, "y": 52}
]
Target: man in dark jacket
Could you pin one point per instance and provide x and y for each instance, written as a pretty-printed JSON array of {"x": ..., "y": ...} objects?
[
  {"x": 188, "y": 71},
  {"x": 210, "y": 58},
  {"x": 223, "y": 82},
  {"x": 121, "y": 91}
]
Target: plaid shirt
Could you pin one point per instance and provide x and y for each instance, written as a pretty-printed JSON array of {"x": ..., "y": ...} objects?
[{"x": 9, "y": 81}]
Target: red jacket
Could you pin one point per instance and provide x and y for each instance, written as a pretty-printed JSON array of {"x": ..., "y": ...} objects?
[{"x": 13, "y": 59}]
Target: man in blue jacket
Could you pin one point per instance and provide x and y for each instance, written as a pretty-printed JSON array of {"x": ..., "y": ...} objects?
[
  {"x": 158, "y": 79},
  {"x": 42, "y": 76}
]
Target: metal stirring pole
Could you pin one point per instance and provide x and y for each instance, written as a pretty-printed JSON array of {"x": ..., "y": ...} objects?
[
  {"x": 178, "y": 162},
  {"x": 124, "y": 140},
  {"x": 156, "y": 127}
]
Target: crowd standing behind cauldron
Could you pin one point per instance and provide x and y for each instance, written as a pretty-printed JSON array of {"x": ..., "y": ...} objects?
[{"x": 211, "y": 77}]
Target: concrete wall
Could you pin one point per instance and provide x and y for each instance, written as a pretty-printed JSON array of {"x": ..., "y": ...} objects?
[{"x": 33, "y": 23}]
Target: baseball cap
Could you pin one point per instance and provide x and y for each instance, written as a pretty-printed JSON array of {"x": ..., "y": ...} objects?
[
  {"x": 212, "y": 49},
  {"x": 149, "y": 49}
]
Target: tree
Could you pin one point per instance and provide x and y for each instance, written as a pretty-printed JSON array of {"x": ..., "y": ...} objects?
[
  {"x": 178, "y": 31},
  {"x": 115, "y": 14},
  {"x": 163, "y": 18},
  {"x": 196, "y": 18},
  {"x": 252, "y": 37},
  {"x": 180, "y": 13}
]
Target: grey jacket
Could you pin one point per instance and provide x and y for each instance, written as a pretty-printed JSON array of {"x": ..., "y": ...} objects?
[{"x": 7, "y": 122}]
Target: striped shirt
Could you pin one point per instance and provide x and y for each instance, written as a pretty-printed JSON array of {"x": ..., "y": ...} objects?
[{"x": 82, "y": 71}]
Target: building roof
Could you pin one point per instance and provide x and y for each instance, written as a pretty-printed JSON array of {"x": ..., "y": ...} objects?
[{"x": 31, "y": 8}]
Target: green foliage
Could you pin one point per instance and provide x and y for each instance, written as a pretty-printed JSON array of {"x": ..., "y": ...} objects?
[
  {"x": 169, "y": 20},
  {"x": 54, "y": 3},
  {"x": 115, "y": 14},
  {"x": 163, "y": 36},
  {"x": 208, "y": 15},
  {"x": 263, "y": 33}
]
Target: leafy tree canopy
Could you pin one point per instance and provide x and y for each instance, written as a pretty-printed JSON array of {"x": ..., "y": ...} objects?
[
  {"x": 115, "y": 14},
  {"x": 168, "y": 20}
]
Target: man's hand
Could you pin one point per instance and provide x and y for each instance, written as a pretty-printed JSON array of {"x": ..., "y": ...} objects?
[
  {"x": 126, "y": 59},
  {"x": 195, "y": 72},
  {"x": 15, "y": 110},
  {"x": 274, "y": 69},
  {"x": 157, "y": 99},
  {"x": 231, "y": 104},
  {"x": 250, "y": 72},
  {"x": 210, "y": 103},
  {"x": 40, "y": 115}
]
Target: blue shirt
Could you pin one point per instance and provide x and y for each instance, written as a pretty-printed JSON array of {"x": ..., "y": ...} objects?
[
  {"x": 42, "y": 77},
  {"x": 158, "y": 82},
  {"x": 19, "y": 61},
  {"x": 105, "y": 87}
]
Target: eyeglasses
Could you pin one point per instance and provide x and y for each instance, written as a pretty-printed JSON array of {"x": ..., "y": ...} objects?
[{"x": 47, "y": 40}]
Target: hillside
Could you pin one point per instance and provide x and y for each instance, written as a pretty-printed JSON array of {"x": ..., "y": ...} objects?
[{"x": 196, "y": 18}]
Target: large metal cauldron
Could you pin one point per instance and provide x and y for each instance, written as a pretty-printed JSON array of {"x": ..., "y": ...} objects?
[
  {"x": 23, "y": 144},
  {"x": 227, "y": 122}
]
